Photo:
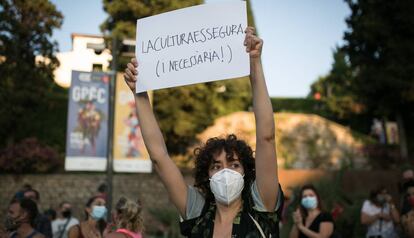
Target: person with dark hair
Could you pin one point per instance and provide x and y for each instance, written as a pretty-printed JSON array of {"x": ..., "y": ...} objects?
[
  {"x": 32, "y": 194},
  {"x": 20, "y": 194},
  {"x": 42, "y": 223},
  {"x": 94, "y": 225},
  {"x": 102, "y": 190},
  {"x": 379, "y": 214},
  {"x": 235, "y": 193},
  {"x": 407, "y": 219},
  {"x": 127, "y": 219},
  {"x": 64, "y": 222},
  {"x": 309, "y": 219},
  {"x": 21, "y": 217}
]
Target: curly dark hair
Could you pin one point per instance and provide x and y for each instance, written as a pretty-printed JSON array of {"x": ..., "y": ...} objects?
[
  {"x": 129, "y": 214},
  {"x": 205, "y": 154}
]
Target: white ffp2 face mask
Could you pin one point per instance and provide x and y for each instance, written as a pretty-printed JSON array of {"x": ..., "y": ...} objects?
[{"x": 226, "y": 185}]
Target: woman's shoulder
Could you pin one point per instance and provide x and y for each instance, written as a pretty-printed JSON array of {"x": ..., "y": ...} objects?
[
  {"x": 195, "y": 203},
  {"x": 74, "y": 230},
  {"x": 77, "y": 226},
  {"x": 325, "y": 217},
  {"x": 115, "y": 235}
]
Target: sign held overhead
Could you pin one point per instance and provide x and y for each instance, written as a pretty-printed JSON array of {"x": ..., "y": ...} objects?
[{"x": 192, "y": 45}]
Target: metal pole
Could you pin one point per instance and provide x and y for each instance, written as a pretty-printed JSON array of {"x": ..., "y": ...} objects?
[{"x": 109, "y": 174}]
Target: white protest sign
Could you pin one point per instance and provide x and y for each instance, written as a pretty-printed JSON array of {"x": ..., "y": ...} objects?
[{"x": 192, "y": 45}]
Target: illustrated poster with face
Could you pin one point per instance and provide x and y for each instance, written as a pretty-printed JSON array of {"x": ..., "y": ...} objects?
[{"x": 87, "y": 124}]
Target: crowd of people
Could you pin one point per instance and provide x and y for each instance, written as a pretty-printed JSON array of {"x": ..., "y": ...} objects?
[
  {"x": 236, "y": 191},
  {"x": 383, "y": 216},
  {"x": 24, "y": 220}
]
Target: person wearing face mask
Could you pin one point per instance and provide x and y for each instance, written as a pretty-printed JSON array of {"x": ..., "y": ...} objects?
[
  {"x": 407, "y": 219},
  {"x": 235, "y": 194},
  {"x": 20, "y": 219},
  {"x": 42, "y": 223},
  {"x": 64, "y": 221},
  {"x": 94, "y": 225},
  {"x": 309, "y": 219},
  {"x": 380, "y": 215},
  {"x": 407, "y": 176},
  {"x": 127, "y": 219}
]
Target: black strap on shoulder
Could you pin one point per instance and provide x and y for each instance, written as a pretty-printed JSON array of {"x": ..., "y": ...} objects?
[
  {"x": 64, "y": 227},
  {"x": 205, "y": 207}
]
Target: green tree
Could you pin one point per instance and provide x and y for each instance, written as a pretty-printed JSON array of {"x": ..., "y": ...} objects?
[
  {"x": 335, "y": 88},
  {"x": 182, "y": 112},
  {"x": 28, "y": 94},
  {"x": 123, "y": 15},
  {"x": 379, "y": 44}
]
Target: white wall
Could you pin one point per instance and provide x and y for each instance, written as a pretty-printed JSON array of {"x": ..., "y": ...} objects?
[{"x": 80, "y": 58}]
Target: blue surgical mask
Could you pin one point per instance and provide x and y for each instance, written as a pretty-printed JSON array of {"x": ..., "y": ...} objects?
[
  {"x": 309, "y": 202},
  {"x": 98, "y": 212}
]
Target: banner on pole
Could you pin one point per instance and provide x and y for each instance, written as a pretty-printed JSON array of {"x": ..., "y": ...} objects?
[
  {"x": 130, "y": 154},
  {"x": 87, "y": 124},
  {"x": 192, "y": 45}
]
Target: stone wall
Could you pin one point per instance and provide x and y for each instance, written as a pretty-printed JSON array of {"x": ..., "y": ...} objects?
[{"x": 76, "y": 188}]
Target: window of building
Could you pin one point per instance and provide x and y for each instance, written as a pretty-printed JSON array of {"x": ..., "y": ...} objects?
[{"x": 97, "y": 67}]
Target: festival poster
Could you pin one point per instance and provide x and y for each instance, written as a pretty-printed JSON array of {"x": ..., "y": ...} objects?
[
  {"x": 130, "y": 154},
  {"x": 87, "y": 126},
  {"x": 392, "y": 133}
]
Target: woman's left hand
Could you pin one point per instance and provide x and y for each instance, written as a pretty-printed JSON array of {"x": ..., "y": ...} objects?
[{"x": 253, "y": 43}]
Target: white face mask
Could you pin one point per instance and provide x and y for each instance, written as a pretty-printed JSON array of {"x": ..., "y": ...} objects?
[{"x": 226, "y": 185}]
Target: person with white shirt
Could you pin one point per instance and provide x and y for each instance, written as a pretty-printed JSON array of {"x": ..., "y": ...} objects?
[
  {"x": 61, "y": 226},
  {"x": 380, "y": 215}
]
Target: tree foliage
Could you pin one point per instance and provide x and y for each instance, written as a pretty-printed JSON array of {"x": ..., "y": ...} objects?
[
  {"x": 372, "y": 73},
  {"x": 29, "y": 156},
  {"x": 379, "y": 44},
  {"x": 182, "y": 112},
  {"x": 335, "y": 88},
  {"x": 381, "y": 53},
  {"x": 185, "y": 111},
  {"x": 123, "y": 14},
  {"x": 28, "y": 94}
]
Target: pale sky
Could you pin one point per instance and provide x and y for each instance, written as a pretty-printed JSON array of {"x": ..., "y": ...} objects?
[{"x": 298, "y": 35}]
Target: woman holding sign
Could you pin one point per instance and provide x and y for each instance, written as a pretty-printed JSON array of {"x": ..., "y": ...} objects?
[{"x": 235, "y": 194}]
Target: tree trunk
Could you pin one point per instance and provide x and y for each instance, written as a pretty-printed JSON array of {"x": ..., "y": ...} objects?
[{"x": 401, "y": 136}]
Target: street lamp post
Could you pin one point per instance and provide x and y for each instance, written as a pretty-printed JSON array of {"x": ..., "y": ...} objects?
[{"x": 109, "y": 173}]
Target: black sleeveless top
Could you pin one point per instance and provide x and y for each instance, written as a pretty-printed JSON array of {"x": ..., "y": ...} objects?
[
  {"x": 243, "y": 224},
  {"x": 315, "y": 225}
]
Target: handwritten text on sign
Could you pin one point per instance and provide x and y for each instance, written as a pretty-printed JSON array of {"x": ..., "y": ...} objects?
[{"x": 192, "y": 45}]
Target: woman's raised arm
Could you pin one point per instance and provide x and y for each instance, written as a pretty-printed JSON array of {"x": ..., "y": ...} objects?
[
  {"x": 266, "y": 162},
  {"x": 154, "y": 141}
]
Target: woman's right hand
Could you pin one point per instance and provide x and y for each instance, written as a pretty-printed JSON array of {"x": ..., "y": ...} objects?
[{"x": 131, "y": 73}]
